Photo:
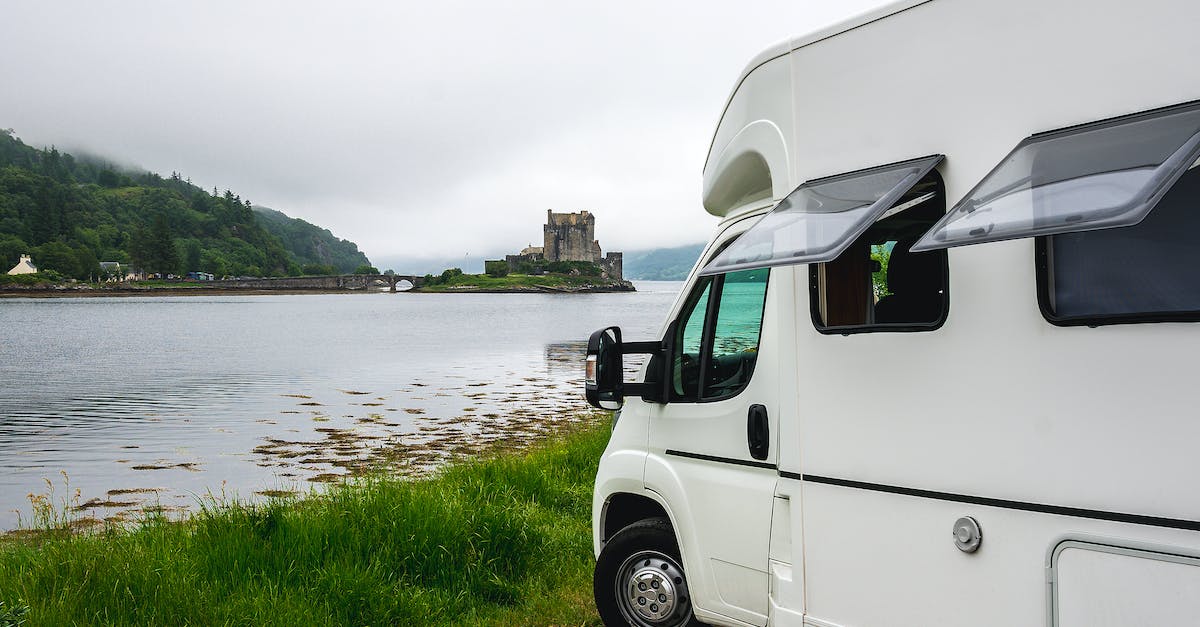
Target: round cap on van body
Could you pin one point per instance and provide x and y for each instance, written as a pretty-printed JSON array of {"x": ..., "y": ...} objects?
[{"x": 967, "y": 535}]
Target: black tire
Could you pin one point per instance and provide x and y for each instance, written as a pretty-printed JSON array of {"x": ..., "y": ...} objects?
[{"x": 639, "y": 579}]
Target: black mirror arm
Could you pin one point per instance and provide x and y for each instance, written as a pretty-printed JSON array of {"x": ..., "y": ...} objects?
[
  {"x": 657, "y": 389},
  {"x": 648, "y": 391},
  {"x": 641, "y": 348}
]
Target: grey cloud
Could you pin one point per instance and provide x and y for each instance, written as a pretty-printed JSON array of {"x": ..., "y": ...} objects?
[{"x": 411, "y": 128}]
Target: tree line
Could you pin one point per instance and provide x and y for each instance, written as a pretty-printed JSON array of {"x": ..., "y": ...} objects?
[{"x": 71, "y": 214}]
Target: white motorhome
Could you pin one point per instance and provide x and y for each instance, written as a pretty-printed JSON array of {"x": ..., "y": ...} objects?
[{"x": 937, "y": 364}]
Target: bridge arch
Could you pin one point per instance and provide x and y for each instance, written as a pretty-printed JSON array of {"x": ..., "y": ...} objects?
[{"x": 395, "y": 280}]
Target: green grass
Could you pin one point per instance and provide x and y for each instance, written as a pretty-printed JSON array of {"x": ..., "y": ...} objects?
[
  {"x": 499, "y": 541},
  {"x": 164, "y": 284},
  {"x": 23, "y": 279}
]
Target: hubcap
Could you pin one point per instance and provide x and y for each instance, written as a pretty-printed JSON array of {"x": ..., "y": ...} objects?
[{"x": 651, "y": 591}]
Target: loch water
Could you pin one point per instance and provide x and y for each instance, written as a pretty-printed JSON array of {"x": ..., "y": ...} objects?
[{"x": 123, "y": 405}]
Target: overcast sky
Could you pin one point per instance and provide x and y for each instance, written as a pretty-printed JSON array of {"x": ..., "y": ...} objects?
[{"x": 413, "y": 129}]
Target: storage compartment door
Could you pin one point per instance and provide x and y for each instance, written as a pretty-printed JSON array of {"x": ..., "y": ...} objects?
[{"x": 1096, "y": 585}]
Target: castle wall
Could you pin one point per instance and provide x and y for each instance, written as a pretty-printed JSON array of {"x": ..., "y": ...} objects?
[
  {"x": 569, "y": 237},
  {"x": 612, "y": 265}
]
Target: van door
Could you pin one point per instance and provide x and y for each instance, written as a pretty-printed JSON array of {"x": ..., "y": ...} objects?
[{"x": 712, "y": 452}]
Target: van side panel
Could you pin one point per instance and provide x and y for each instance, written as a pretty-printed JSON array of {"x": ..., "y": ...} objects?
[{"x": 998, "y": 403}]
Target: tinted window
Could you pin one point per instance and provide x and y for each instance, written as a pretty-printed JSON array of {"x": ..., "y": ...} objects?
[
  {"x": 734, "y": 347},
  {"x": 725, "y": 352},
  {"x": 1144, "y": 272}
]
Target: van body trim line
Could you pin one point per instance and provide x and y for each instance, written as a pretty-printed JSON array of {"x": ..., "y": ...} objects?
[
  {"x": 1136, "y": 519},
  {"x": 724, "y": 460}
]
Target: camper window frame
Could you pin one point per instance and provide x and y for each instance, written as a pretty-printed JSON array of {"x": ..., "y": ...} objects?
[
  {"x": 814, "y": 287},
  {"x": 1042, "y": 279},
  {"x": 1166, "y": 174},
  {"x": 871, "y": 213}
]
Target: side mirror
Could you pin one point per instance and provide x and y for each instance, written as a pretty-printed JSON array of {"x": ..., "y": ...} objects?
[{"x": 604, "y": 385}]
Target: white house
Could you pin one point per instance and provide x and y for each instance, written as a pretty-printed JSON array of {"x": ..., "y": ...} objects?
[
  {"x": 111, "y": 270},
  {"x": 24, "y": 266}
]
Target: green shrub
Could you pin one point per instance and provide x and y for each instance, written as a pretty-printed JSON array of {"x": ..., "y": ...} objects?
[
  {"x": 496, "y": 268},
  {"x": 317, "y": 269}
]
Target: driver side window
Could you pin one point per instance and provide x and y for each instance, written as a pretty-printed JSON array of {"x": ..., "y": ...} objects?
[
  {"x": 716, "y": 340},
  {"x": 686, "y": 360}
]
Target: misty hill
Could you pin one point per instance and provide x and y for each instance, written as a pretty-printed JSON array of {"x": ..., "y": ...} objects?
[
  {"x": 71, "y": 213},
  {"x": 310, "y": 244},
  {"x": 662, "y": 264},
  {"x": 406, "y": 264},
  {"x": 657, "y": 264}
]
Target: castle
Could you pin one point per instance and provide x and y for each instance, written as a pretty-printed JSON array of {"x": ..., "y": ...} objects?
[{"x": 570, "y": 237}]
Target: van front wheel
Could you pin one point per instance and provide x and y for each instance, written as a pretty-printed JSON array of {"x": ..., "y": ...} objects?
[{"x": 639, "y": 580}]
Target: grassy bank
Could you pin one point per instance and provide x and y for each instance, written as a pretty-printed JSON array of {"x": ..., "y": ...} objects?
[
  {"x": 519, "y": 282},
  {"x": 501, "y": 541}
]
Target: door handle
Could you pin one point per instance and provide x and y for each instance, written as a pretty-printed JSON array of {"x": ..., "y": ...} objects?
[{"x": 758, "y": 432}]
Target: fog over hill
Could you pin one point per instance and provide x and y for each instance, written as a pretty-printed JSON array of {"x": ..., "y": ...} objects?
[
  {"x": 71, "y": 213},
  {"x": 655, "y": 264}
]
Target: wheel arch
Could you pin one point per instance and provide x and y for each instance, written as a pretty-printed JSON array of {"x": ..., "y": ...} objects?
[{"x": 622, "y": 509}]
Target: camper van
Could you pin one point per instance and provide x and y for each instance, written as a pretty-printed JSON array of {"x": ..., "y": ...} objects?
[{"x": 940, "y": 363}]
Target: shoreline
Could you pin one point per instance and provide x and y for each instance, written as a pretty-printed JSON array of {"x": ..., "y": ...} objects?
[
  {"x": 469, "y": 545},
  {"x": 530, "y": 289},
  {"x": 74, "y": 292},
  {"x": 58, "y": 292}
]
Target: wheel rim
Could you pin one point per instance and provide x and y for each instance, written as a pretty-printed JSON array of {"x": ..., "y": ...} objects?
[{"x": 651, "y": 591}]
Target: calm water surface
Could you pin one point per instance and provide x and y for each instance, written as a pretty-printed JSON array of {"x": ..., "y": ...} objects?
[{"x": 159, "y": 401}]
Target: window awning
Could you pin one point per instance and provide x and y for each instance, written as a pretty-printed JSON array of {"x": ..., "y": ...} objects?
[
  {"x": 1096, "y": 176},
  {"x": 822, "y": 217}
]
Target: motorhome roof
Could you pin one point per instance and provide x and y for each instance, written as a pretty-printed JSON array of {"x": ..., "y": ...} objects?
[
  {"x": 795, "y": 43},
  {"x": 847, "y": 97}
]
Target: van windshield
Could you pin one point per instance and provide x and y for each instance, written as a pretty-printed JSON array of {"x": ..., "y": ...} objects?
[{"x": 818, "y": 220}]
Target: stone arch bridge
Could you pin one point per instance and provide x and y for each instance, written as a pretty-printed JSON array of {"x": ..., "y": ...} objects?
[{"x": 322, "y": 283}]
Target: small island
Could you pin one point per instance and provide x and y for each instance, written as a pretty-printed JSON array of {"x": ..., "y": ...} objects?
[
  {"x": 562, "y": 277},
  {"x": 569, "y": 261}
]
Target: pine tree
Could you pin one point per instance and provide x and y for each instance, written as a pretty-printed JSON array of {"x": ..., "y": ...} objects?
[{"x": 164, "y": 255}]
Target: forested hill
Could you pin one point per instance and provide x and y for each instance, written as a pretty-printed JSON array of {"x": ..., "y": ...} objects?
[
  {"x": 310, "y": 244},
  {"x": 662, "y": 264},
  {"x": 71, "y": 213}
]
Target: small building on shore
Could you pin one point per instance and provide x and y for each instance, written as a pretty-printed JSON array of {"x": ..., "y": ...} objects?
[
  {"x": 24, "y": 266},
  {"x": 110, "y": 271}
]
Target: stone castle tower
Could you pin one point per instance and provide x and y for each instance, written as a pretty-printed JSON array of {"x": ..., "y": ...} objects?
[{"x": 570, "y": 237}]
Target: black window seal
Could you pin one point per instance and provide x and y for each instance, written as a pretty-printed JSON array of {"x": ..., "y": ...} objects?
[{"x": 1042, "y": 278}]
